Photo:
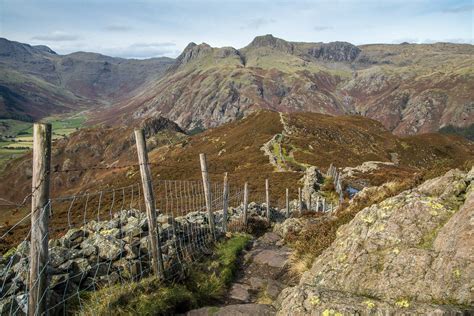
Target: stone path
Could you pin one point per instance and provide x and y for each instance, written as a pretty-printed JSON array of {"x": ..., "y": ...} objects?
[{"x": 261, "y": 277}]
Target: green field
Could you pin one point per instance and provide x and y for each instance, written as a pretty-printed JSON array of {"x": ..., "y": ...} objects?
[{"x": 16, "y": 137}]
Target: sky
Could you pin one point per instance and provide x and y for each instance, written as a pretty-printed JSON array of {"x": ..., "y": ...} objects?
[{"x": 146, "y": 28}]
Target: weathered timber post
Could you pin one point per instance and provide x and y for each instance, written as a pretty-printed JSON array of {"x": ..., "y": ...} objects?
[
  {"x": 207, "y": 193},
  {"x": 287, "y": 204},
  {"x": 40, "y": 207},
  {"x": 324, "y": 205},
  {"x": 317, "y": 204},
  {"x": 339, "y": 189},
  {"x": 225, "y": 203},
  {"x": 309, "y": 202},
  {"x": 157, "y": 257},
  {"x": 246, "y": 203},
  {"x": 300, "y": 203},
  {"x": 267, "y": 195}
]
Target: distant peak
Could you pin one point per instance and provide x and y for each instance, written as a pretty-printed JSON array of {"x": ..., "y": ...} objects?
[
  {"x": 191, "y": 52},
  {"x": 45, "y": 49},
  {"x": 189, "y": 46},
  {"x": 271, "y": 41}
]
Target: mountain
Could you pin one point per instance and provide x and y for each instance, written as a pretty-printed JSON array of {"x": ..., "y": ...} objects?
[
  {"x": 410, "y": 88},
  {"x": 36, "y": 82}
]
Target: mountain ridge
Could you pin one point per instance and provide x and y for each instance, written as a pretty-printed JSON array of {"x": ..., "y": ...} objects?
[
  {"x": 410, "y": 88},
  {"x": 51, "y": 83}
]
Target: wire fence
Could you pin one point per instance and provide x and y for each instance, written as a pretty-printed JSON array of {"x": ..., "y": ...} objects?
[
  {"x": 101, "y": 238},
  {"x": 104, "y": 238}
]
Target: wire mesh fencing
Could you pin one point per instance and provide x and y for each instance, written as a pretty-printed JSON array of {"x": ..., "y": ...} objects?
[{"x": 101, "y": 238}]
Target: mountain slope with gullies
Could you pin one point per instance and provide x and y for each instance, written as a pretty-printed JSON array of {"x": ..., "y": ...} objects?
[
  {"x": 410, "y": 88},
  {"x": 36, "y": 82}
]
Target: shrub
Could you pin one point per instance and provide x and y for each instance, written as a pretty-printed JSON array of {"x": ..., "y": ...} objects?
[{"x": 257, "y": 226}]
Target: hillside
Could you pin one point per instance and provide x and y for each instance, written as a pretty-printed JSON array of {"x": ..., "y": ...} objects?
[
  {"x": 36, "y": 82},
  {"x": 99, "y": 158},
  {"x": 410, "y": 88}
]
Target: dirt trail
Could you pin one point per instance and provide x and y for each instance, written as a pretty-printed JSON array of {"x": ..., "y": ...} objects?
[
  {"x": 277, "y": 159},
  {"x": 262, "y": 275}
]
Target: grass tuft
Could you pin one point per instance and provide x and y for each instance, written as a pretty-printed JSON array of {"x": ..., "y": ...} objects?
[{"x": 206, "y": 282}]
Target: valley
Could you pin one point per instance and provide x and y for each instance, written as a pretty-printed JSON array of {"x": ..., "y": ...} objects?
[
  {"x": 280, "y": 178},
  {"x": 16, "y": 136}
]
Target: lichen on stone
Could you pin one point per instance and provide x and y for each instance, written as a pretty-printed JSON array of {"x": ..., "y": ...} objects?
[
  {"x": 370, "y": 304},
  {"x": 402, "y": 303},
  {"x": 314, "y": 300}
]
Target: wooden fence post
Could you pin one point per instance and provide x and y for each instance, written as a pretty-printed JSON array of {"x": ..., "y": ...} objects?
[
  {"x": 267, "y": 195},
  {"x": 287, "y": 204},
  {"x": 40, "y": 207},
  {"x": 309, "y": 202},
  {"x": 317, "y": 204},
  {"x": 324, "y": 205},
  {"x": 157, "y": 257},
  {"x": 225, "y": 203},
  {"x": 246, "y": 203},
  {"x": 207, "y": 192},
  {"x": 300, "y": 204}
]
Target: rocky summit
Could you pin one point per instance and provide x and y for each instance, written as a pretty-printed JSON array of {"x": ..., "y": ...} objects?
[{"x": 409, "y": 254}]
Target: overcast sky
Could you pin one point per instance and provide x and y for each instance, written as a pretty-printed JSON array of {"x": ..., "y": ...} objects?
[{"x": 140, "y": 29}]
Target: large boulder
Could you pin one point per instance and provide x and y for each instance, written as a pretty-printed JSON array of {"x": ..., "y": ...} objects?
[{"x": 411, "y": 253}]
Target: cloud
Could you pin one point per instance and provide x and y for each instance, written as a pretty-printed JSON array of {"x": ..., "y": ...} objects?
[
  {"x": 57, "y": 36},
  {"x": 320, "y": 28},
  {"x": 118, "y": 28},
  {"x": 459, "y": 40},
  {"x": 460, "y": 9},
  {"x": 257, "y": 23},
  {"x": 405, "y": 40},
  {"x": 143, "y": 50},
  {"x": 152, "y": 45},
  {"x": 449, "y": 40}
]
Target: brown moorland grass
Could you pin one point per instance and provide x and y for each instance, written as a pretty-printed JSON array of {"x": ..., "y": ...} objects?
[{"x": 235, "y": 148}]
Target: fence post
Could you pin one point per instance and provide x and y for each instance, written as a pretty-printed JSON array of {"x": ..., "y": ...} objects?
[
  {"x": 267, "y": 195},
  {"x": 317, "y": 204},
  {"x": 246, "y": 202},
  {"x": 207, "y": 193},
  {"x": 287, "y": 204},
  {"x": 225, "y": 203},
  {"x": 155, "y": 244},
  {"x": 324, "y": 205},
  {"x": 300, "y": 206},
  {"x": 39, "y": 257},
  {"x": 309, "y": 202}
]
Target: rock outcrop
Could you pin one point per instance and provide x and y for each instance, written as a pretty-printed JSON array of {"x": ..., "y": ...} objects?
[
  {"x": 272, "y": 42},
  {"x": 410, "y": 254},
  {"x": 335, "y": 51},
  {"x": 153, "y": 125}
]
